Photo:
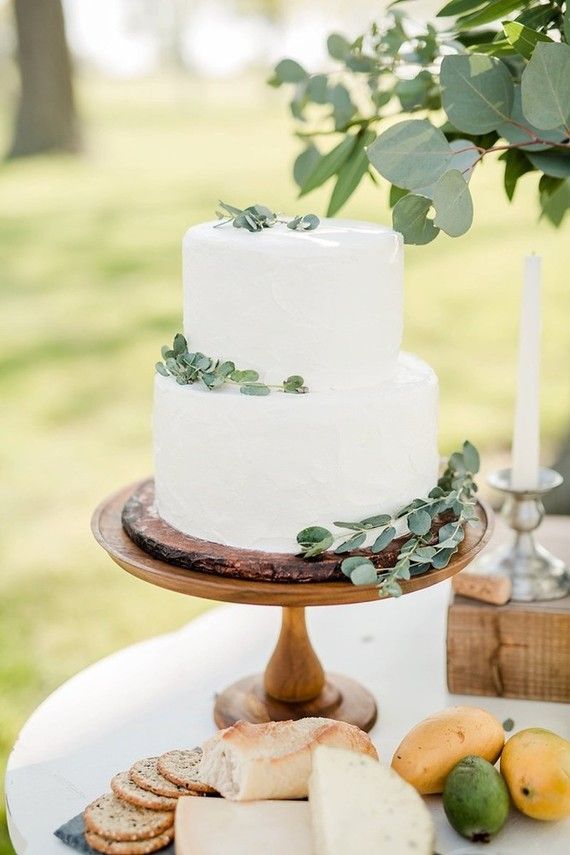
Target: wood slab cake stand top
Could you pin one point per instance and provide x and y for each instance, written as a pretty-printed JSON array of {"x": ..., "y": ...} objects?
[{"x": 294, "y": 684}]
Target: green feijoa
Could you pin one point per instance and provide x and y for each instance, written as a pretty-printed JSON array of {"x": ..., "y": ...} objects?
[{"x": 476, "y": 799}]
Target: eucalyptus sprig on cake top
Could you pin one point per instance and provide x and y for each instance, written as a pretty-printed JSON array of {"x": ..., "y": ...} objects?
[
  {"x": 256, "y": 218},
  {"x": 435, "y": 525},
  {"x": 188, "y": 368}
]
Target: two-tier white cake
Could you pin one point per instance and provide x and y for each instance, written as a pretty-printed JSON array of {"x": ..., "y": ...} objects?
[{"x": 252, "y": 471}]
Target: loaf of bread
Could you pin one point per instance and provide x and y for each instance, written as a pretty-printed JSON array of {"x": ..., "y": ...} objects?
[{"x": 273, "y": 760}]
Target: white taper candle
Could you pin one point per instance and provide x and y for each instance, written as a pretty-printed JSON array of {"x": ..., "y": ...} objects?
[{"x": 526, "y": 439}]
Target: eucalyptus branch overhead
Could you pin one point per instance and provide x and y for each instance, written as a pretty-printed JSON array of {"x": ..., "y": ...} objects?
[{"x": 504, "y": 89}]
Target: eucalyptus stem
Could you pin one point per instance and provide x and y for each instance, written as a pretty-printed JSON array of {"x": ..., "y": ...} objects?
[
  {"x": 432, "y": 541},
  {"x": 188, "y": 368}
]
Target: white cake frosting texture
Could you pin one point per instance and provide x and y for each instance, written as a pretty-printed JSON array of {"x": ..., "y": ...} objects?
[
  {"x": 252, "y": 471},
  {"x": 326, "y": 304}
]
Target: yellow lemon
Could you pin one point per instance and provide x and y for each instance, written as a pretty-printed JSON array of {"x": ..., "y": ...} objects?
[{"x": 535, "y": 763}]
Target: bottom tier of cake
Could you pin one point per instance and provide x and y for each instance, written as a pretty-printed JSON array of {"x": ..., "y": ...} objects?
[{"x": 252, "y": 471}]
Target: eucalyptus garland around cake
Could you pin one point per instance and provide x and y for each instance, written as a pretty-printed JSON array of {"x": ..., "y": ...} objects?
[
  {"x": 435, "y": 526},
  {"x": 187, "y": 368}
]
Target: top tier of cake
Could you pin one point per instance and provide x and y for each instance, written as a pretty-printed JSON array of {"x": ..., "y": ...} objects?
[{"x": 326, "y": 304}]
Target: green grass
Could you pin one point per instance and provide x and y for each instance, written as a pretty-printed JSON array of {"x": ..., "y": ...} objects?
[{"x": 90, "y": 259}]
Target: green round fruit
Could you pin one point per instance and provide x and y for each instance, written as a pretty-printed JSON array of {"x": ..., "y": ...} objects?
[{"x": 476, "y": 799}]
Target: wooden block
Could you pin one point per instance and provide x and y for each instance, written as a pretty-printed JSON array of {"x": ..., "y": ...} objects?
[{"x": 519, "y": 650}]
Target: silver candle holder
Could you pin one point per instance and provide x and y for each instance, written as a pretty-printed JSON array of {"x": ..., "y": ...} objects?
[{"x": 535, "y": 573}]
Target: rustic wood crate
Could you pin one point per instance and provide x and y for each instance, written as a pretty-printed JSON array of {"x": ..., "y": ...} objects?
[{"x": 520, "y": 650}]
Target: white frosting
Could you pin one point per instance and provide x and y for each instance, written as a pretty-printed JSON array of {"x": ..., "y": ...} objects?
[
  {"x": 326, "y": 304},
  {"x": 251, "y": 472}
]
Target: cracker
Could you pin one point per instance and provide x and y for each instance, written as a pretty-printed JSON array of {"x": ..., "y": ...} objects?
[
  {"x": 117, "y": 820},
  {"x": 182, "y": 767},
  {"x": 129, "y": 847},
  {"x": 129, "y": 792},
  {"x": 145, "y": 773}
]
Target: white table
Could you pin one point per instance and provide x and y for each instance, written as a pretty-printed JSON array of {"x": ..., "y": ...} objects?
[{"x": 158, "y": 695}]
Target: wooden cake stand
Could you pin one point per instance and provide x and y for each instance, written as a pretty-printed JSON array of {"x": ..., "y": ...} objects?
[{"x": 294, "y": 684}]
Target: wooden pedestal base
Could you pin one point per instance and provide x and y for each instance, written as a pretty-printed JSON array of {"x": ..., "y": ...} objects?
[
  {"x": 295, "y": 686},
  {"x": 341, "y": 698}
]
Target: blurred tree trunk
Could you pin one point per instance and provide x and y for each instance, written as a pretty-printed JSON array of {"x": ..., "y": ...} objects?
[{"x": 46, "y": 119}]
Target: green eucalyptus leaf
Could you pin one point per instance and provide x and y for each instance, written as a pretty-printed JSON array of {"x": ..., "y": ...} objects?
[
  {"x": 556, "y": 203},
  {"x": 349, "y": 564},
  {"x": 419, "y": 522},
  {"x": 349, "y": 177},
  {"x": 248, "y": 376},
  {"x": 477, "y": 92},
  {"x": 337, "y": 46},
  {"x": 351, "y": 526},
  {"x": 343, "y": 108},
  {"x": 471, "y": 457},
  {"x": 414, "y": 93},
  {"x": 376, "y": 521},
  {"x": 361, "y": 64},
  {"x": 294, "y": 382},
  {"x": 328, "y": 165},
  {"x": 410, "y": 217},
  {"x": 203, "y": 363},
  {"x": 554, "y": 162},
  {"x": 411, "y": 154},
  {"x": 465, "y": 156},
  {"x": 519, "y": 130},
  {"x": 498, "y": 47},
  {"x": 364, "y": 574},
  {"x": 384, "y": 539},
  {"x": 180, "y": 344},
  {"x": 459, "y": 7},
  {"x": 545, "y": 86},
  {"x": 305, "y": 164},
  {"x": 523, "y": 39},
  {"x": 453, "y": 204},
  {"x": 258, "y": 389},
  {"x": 290, "y": 71},
  {"x": 230, "y": 209},
  {"x": 162, "y": 369},
  {"x": 309, "y": 222},
  {"x": 490, "y": 12},
  {"x": 402, "y": 568},
  {"x": 457, "y": 462},
  {"x": 319, "y": 547},
  {"x": 419, "y": 569},
  {"x": 442, "y": 558},
  {"x": 312, "y": 534},
  {"x": 396, "y": 193},
  {"x": 424, "y": 553},
  {"x": 226, "y": 369},
  {"x": 317, "y": 89},
  {"x": 350, "y": 544},
  {"x": 391, "y": 589}
]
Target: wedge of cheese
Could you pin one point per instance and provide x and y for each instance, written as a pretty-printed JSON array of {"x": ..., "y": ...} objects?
[
  {"x": 210, "y": 826},
  {"x": 358, "y": 805}
]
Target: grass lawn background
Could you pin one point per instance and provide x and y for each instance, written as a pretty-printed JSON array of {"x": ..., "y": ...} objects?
[{"x": 90, "y": 261}]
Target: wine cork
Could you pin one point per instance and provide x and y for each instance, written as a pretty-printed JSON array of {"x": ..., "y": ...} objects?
[{"x": 488, "y": 589}]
